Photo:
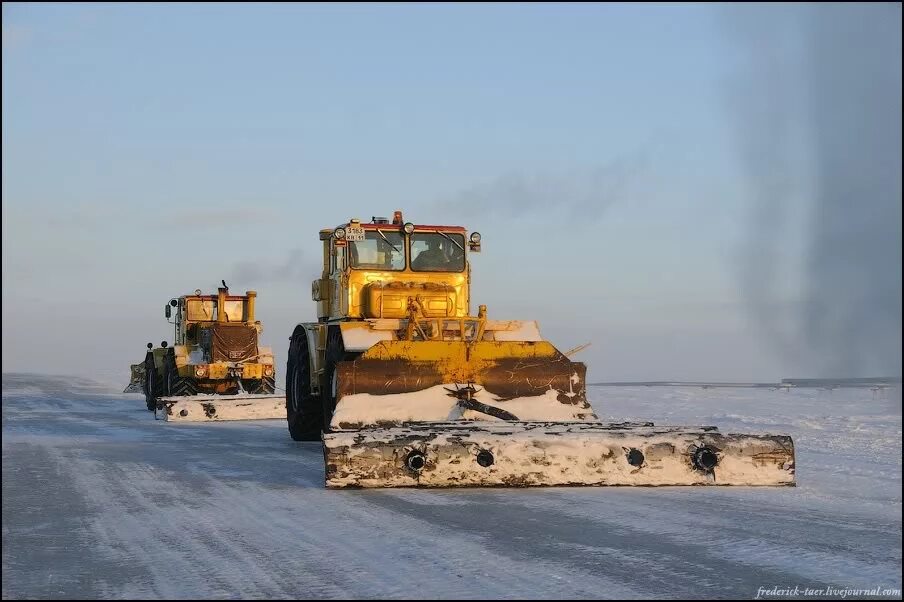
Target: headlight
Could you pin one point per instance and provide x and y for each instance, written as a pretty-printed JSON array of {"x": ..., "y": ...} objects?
[
  {"x": 409, "y": 228},
  {"x": 475, "y": 237},
  {"x": 200, "y": 371},
  {"x": 268, "y": 371},
  {"x": 339, "y": 233}
]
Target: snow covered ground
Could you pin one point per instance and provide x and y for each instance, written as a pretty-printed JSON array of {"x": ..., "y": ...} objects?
[{"x": 101, "y": 501}]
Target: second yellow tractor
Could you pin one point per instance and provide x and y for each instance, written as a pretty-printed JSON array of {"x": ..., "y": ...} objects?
[{"x": 216, "y": 368}]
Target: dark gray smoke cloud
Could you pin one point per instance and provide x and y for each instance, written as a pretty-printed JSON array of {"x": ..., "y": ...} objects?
[
  {"x": 585, "y": 194},
  {"x": 854, "y": 296},
  {"x": 764, "y": 103},
  {"x": 295, "y": 268},
  {"x": 834, "y": 69}
]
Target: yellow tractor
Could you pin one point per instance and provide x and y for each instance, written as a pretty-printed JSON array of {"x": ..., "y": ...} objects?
[
  {"x": 406, "y": 387},
  {"x": 216, "y": 370}
]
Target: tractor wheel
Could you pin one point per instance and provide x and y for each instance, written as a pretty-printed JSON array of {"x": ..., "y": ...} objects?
[
  {"x": 175, "y": 385},
  {"x": 329, "y": 385},
  {"x": 303, "y": 410},
  {"x": 265, "y": 386},
  {"x": 151, "y": 390}
]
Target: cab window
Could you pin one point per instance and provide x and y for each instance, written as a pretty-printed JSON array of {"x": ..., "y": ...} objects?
[
  {"x": 380, "y": 250},
  {"x": 234, "y": 311},
  {"x": 200, "y": 310},
  {"x": 435, "y": 252}
]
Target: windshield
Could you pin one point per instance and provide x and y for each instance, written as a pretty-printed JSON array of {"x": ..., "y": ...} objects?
[
  {"x": 437, "y": 252},
  {"x": 234, "y": 311},
  {"x": 199, "y": 310},
  {"x": 378, "y": 251}
]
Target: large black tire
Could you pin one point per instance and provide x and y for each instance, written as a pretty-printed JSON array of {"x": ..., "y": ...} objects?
[
  {"x": 335, "y": 353},
  {"x": 304, "y": 412},
  {"x": 173, "y": 384},
  {"x": 265, "y": 386},
  {"x": 151, "y": 383}
]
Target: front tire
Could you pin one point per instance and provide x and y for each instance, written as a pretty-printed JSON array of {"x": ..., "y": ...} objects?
[
  {"x": 175, "y": 385},
  {"x": 335, "y": 353},
  {"x": 150, "y": 383},
  {"x": 265, "y": 386},
  {"x": 304, "y": 413}
]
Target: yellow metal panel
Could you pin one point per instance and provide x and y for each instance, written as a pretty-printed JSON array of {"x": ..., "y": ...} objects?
[
  {"x": 181, "y": 353},
  {"x": 439, "y": 306},
  {"x": 255, "y": 371},
  {"x": 382, "y": 301},
  {"x": 443, "y": 294},
  {"x": 457, "y": 361},
  {"x": 185, "y": 370},
  {"x": 217, "y": 371},
  {"x": 449, "y": 350}
]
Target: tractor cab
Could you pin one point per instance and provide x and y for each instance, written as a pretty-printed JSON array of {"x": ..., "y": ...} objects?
[
  {"x": 215, "y": 328},
  {"x": 371, "y": 270}
]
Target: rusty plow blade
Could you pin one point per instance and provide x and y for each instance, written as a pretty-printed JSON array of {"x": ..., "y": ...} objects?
[
  {"x": 207, "y": 408},
  {"x": 523, "y": 454},
  {"x": 396, "y": 382}
]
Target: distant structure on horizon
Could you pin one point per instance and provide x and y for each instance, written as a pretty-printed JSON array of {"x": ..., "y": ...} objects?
[{"x": 881, "y": 382}]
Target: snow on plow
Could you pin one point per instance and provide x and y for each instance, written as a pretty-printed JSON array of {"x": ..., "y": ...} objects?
[
  {"x": 522, "y": 454},
  {"x": 514, "y": 415},
  {"x": 463, "y": 434},
  {"x": 207, "y": 408}
]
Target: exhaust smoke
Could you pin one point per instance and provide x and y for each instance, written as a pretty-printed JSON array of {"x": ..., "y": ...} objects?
[{"x": 831, "y": 73}]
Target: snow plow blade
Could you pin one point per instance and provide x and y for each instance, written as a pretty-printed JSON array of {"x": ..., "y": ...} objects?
[
  {"x": 524, "y": 454},
  {"x": 505, "y": 369},
  {"x": 208, "y": 408},
  {"x": 136, "y": 379}
]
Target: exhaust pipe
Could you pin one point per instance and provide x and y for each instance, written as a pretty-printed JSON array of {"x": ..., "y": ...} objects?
[{"x": 221, "y": 303}]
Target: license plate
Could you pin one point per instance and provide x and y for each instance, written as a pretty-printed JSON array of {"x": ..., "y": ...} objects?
[{"x": 354, "y": 233}]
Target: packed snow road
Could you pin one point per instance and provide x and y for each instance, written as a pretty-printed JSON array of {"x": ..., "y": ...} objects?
[{"x": 101, "y": 501}]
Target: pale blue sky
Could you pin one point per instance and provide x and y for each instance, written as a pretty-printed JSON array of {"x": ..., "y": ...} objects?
[{"x": 149, "y": 150}]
